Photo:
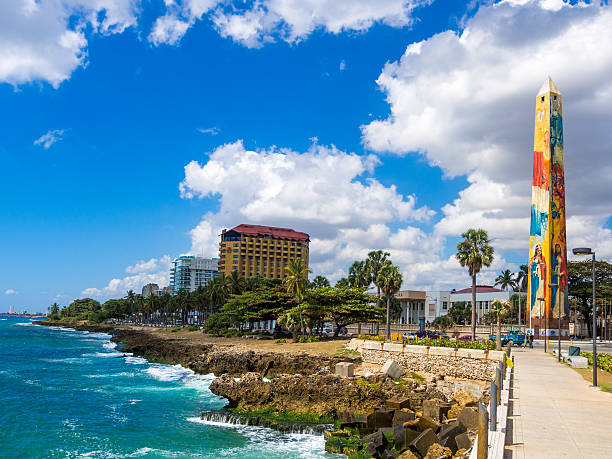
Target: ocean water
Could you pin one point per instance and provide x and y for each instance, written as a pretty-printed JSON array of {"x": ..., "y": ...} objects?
[{"x": 72, "y": 394}]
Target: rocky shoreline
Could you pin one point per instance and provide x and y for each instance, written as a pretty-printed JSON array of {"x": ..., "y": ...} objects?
[{"x": 372, "y": 414}]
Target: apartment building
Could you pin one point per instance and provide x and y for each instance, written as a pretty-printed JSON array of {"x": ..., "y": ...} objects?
[
  {"x": 190, "y": 272},
  {"x": 254, "y": 250}
]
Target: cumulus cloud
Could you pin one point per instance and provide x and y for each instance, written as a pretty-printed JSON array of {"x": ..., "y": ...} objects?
[
  {"x": 46, "y": 40},
  {"x": 48, "y": 139},
  {"x": 257, "y": 22},
  {"x": 328, "y": 193},
  {"x": 10, "y": 291},
  {"x": 465, "y": 101},
  {"x": 155, "y": 270}
]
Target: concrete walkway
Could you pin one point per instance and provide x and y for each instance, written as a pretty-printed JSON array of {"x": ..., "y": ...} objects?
[{"x": 555, "y": 412}]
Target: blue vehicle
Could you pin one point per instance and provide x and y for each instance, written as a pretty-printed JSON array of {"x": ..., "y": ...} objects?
[{"x": 516, "y": 337}]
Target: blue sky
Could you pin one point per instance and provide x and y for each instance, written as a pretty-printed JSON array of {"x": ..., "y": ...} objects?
[{"x": 98, "y": 198}]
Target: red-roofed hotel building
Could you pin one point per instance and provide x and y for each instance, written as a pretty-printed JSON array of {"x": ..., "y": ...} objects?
[{"x": 265, "y": 251}]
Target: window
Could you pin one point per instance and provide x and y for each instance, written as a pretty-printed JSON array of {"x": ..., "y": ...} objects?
[
  {"x": 444, "y": 305},
  {"x": 235, "y": 250},
  {"x": 542, "y": 99},
  {"x": 235, "y": 256}
]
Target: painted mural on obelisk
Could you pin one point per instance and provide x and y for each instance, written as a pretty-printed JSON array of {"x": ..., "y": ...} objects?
[{"x": 547, "y": 246}]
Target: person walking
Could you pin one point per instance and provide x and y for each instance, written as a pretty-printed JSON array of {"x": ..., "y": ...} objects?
[{"x": 530, "y": 340}]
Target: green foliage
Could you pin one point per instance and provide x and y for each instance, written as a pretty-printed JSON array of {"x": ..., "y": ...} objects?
[
  {"x": 443, "y": 323},
  {"x": 417, "y": 377},
  {"x": 372, "y": 337},
  {"x": 604, "y": 360},
  {"x": 281, "y": 341},
  {"x": 284, "y": 417},
  {"x": 460, "y": 312},
  {"x": 82, "y": 309},
  {"x": 319, "y": 282},
  {"x": 506, "y": 280},
  {"x": 580, "y": 285},
  {"x": 445, "y": 342},
  {"x": 193, "y": 328},
  {"x": 307, "y": 339},
  {"x": 347, "y": 352},
  {"x": 342, "y": 282},
  {"x": 174, "y": 330}
]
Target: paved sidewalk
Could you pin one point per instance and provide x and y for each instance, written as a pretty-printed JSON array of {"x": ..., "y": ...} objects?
[{"x": 555, "y": 412}]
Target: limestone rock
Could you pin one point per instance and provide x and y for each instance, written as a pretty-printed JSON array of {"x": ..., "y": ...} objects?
[
  {"x": 464, "y": 398},
  {"x": 463, "y": 441},
  {"x": 392, "y": 369},
  {"x": 435, "y": 409},
  {"x": 436, "y": 451},
  {"x": 407, "y": 455},
  {"x": 400, "y": 417},
  {"x": 422, "y": 443},
  {"x": 469, "y": 418}
]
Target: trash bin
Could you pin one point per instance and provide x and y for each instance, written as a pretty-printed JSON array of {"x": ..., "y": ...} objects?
[{"x": 574, "y": 350}]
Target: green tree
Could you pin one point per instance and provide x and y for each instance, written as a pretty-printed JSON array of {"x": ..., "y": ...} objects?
[
  {"x": 344, "y": 305},
  {"x": 319, "y": 282},
  {"x": 580, "y": 286},
  {"x": 54, "y": 311},
  {"x": 499, "y": 309},
  {"x": 342, "y": 282},
  {"x": 521, "y": 278},
  {"x": 295, "y": 283},
  {"x": 505, "y": 279},
  {"x": 375, "y": 261},
  {"x": 460, "y": 312},
  {"x": 443, "y": 323},
  {"x": 358, "y": 275},
  {"x": 389, "y": 280},
  {"x": 474, "y": 252},
  {"x": 235, "y": 283}
]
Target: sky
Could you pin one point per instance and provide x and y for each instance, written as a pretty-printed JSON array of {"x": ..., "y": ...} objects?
[{"x": 133, "y": 131}]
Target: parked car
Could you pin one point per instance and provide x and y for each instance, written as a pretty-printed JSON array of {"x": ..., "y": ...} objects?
[
  {"x": 516, "y": 337},
  {"x": 430, "y": 334},
  {"x": 469, "y": 338}
]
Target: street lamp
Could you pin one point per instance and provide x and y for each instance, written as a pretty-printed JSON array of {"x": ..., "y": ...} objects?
[
  {"x": 551, "y": 285},
  {"x": 543, "y": 300},
  {"x": 588, "y": 251}
]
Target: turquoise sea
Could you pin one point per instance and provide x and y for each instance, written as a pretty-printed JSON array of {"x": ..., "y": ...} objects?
[{"x": 71, "y": 394}]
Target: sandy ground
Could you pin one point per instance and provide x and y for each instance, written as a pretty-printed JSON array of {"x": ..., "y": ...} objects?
[{"x": 330, "y": 347}]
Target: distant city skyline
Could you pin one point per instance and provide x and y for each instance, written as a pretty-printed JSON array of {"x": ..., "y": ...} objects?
[{"x": 133, "y": 132}]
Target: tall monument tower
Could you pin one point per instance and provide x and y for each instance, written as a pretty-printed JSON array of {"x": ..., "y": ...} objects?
[{"x": 547, "y": 247}]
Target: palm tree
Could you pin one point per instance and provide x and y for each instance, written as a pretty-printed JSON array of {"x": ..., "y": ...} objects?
[
  {"x": 474, "y": 252},
  {"x": 319, "y": 282},
  {"x": 358, "y": 275},
  {"x": 499, "y": 309},
  {"x": 131, "y": 299},
  {"x": 342, "y": 282},
  {"x": 235, "y": 283},
  {"x": 505, "y": 279},
  {"x": 295, "y": 283},
  {"x": 376, "y": 259},
  {"x": 389, "y": 280},
  {"x": 521, "y": 278}
]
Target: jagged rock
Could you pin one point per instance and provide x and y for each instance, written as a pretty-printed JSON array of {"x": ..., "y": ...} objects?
[
  {"x": 388, "y": 454},
  {"x": 400, "y": 417},
  {"x": 462, "y": 453},
  {"x": 403, "y": 437},
  {"x": 469, "y": 418},
  {"x": 398, "y": 403},
  {"x": 464, "y": 398},
  {"x": 436, "y": 451},
  {"x": 448, "y": 433},
  {"x": 407, "y": 455},
  {"x": 392, "y": 369},
  {"x": 454, "y": 411},
  {"x": 435, "y": 409},
  {"x": 428, "y": 423},
  {"x": 377, "y": 439},
  {"x": 422, "y": 443},
  {"x": 463, "y": 441},
  {"x": 380, "y": 418}
]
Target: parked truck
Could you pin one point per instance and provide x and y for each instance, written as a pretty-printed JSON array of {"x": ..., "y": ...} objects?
[{"x": 516, "y": 337}]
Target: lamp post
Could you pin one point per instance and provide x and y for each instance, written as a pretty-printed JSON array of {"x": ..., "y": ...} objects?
[
  {"x": 588, "y": 251},
  {"x": 551, "y": 285},
  {"x": 543, "y": 300}
]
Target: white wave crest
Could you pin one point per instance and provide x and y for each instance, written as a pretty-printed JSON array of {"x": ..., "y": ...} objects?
[
  {"x": 132, "y": 360},
  {"x": 169, "y": 372}
]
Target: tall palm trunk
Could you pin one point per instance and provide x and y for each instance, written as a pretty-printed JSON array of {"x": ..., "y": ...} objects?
[
  {"x": 378, "y": 305},
  {"x": 473, "y": 307},
  {"x": 388, "y": 319},
  {"x": 498, "y": 337}
]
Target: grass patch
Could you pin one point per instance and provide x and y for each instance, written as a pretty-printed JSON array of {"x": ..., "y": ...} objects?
[
  {"x": 284, "y": 417},
  {"x": 174, "y": 330},
  {"x": 193, "y": 328},
  {"x": 347, "y": 352},
  {"x": 417, "y": 377},
  {"x": 606, "y": 387},
  {"x": 372, "y": 337}
]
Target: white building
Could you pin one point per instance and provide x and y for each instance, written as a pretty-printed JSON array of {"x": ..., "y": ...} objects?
[
  {"x": 11, "y": 309},
  {"x": 423, "y": 306},
  {"x": 189, "y": 273},
  {"x": 150, "y": 290},
  {"x": 485, "y": 295}
]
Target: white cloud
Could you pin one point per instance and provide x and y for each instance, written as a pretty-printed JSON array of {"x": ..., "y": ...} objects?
[
  {"x": 10, "y": 291},
  {"x": 342, "y": 65},
  {"x": 48, "y": 139},
  {"x": 263, "y": 21},
  {"x": 465, "y": 101},
  {"x": 180, "y": 16},
  {"x": 155, "y": 270},
  {"x": 211, "y": 131},
  {"x": 46, "y": 40},
  {"x": 327, "y": 193}
]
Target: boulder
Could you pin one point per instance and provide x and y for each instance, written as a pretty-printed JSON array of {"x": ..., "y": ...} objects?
[
  {"x": 454, "y": 411},
  {"x": 468, "y": 418},
  {"x": 448, "y": 433},
  {"x": 435, "y": 409},
  {"x": 345, "y": 369},
  {"x": 407, "y": 455},
  {"x": 392, "y": 369},
  {"x": 428, "y": 423},
  {"x": 437, "y": 451},
  {"x": 449, "y": 442},
  {"x": 422, "y": 443},
  {"x": 464, "y": 398},
  {"x": 398, "y": 403},
  {"x": 388, "y": 454},
  {"x": 403, "y": 437},
  {"x": 377, "y": 439},
  {"x": 463, "y": 441},
  {"x": 400, "y": 417}
]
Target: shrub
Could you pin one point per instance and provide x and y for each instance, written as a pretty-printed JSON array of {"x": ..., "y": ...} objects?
[
  {"x": 372, "y": 337},
  {"x": 193, "y": 328},
  {"x": 307, "y": 339},
  {"x": 280, "y": 341},
  {"x": 604, "y": 361},
  {"x": 174, "y": 330}
]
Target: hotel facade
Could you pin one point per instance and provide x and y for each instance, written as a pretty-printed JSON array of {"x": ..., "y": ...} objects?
[
  {"x": 254, "y": 250},
  {"x": 189, "y": 273}
]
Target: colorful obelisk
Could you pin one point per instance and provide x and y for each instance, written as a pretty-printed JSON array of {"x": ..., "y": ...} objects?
[{"x": 547, "y": 246}]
